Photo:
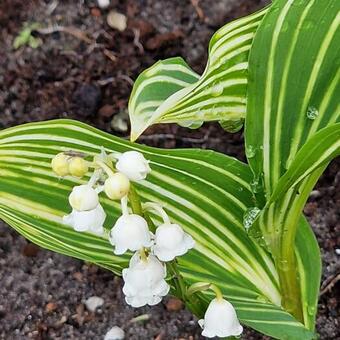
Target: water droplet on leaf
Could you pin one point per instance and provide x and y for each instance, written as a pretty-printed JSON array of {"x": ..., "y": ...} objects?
[
  {"x": 261, "y": 298},
  {"x": 311, "y": 310},
  {"x": 191, "y": 124},
  {"x": 232, "y": 125},
  {"x": 250, "y": 216},
  {"x": 283, "y": 265},
  {"x": 312, "y": 113},
  {"x": 250, "y": 151},
  {"x": 216, "y": 90}
]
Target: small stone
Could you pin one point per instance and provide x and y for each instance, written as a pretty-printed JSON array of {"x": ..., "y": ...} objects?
[
  {"x": 78, "y": 276},
  {"x": 174, "y": 305},
  {"x": 106, "y": 111},
  {"x": 94, "y": 302},
  {"x": 315, "y": 194},
  {"x": 103, "y": 3},
  {"x": 337, "y": 251},
  {"x": 50, "y": 307},
  {"x": 117, "y": 21},
  {"x": 95, "y": 12},
  {"x": 115, "y": 333}
]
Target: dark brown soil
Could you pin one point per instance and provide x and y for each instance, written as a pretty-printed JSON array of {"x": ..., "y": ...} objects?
[{"x": 87, "y": 75}]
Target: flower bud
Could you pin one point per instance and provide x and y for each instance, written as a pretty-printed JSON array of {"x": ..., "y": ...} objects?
[
  {"x": 83, "y": 197},
  {"x": 144, "y": 281},
  {"x": 133, "y": 165},
  {"x": 78, "y": 167},
  {"x": 220, "y": 320},
  {"x": 171, "y": 241},
  {"x": 117, "y": 186},
  {"x": 130, "y": 232},
  {"x": 91, "y": 220},
  {"x": 60, "y": 164}
]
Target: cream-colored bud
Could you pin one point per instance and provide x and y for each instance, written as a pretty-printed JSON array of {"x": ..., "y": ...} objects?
[
  {"x": 78, "y": 167},
  {"x": 117, "y": 186},
  {"x": 60, "y": 164}
]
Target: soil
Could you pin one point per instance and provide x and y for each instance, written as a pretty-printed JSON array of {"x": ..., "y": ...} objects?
[{"x": 86, "y": 73}]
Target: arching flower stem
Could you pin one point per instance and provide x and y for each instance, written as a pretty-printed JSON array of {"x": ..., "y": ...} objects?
[
  {"x": 156, "y": 207},
  {"x": 105, "y": 167}
]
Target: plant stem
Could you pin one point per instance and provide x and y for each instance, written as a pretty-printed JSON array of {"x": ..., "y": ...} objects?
[
  {"x": 135, "y": 202},
  {"x": 191, "y": 301},
  {"x": 284, "y": 255},
  {"x": 217, "y": 291},
  {"x": 178, "y": 277},
  {"x": 106, "y": 168},
  {"x": 290, "y": 290}
]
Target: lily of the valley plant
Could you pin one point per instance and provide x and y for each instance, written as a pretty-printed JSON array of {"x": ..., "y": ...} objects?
[{"x": 228, "y": 238}]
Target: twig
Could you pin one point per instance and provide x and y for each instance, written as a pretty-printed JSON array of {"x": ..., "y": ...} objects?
[
  {"x": 126, "y": 78},
  {"x": 198, "y": 9},
  {"x": 79, "y": 34},
  {"x": 104, "y": 82},
  {"x": 329, "y": 283},
  {"x": 136, "y": 41},
  {"x": 52, "y": 6}
]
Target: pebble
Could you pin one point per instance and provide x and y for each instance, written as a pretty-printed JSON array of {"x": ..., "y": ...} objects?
[
  {"x": 174, "y": 305},
  {"x": 115, "y": 333},
  {"x": 117, "y": 21},
  {"x": 103, "y": 3},
  {"x": 94, "y": 302}
]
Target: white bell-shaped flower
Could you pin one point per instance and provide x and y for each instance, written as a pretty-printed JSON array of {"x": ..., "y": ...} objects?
[
  {"x": 144, "y": 281},
  {"x": 220, "y": 320},
  {"x": 83, "y": 197},
  {"x": 171, "y": 241},
  {"x": 130, "y": 232},
  {"x": 90, "y": 220},
  {"x": 133, "y": 165}
]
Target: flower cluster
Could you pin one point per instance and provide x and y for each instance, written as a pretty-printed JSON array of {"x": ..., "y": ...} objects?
[{"x": 145, "y": 280}]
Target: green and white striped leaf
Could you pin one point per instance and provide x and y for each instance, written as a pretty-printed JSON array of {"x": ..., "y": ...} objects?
[
  {"x": 287, "y": 201},
  {"x": 292, "y": 94},
  {"x": 321, "y": 148},
  {"x": 309, "y": 265},
  {"x": 294, "y": 83},
  {"x": 196, "y": 186},
  {"x": 170, "y": 92},
  {"x": 153, "y": 86}
]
